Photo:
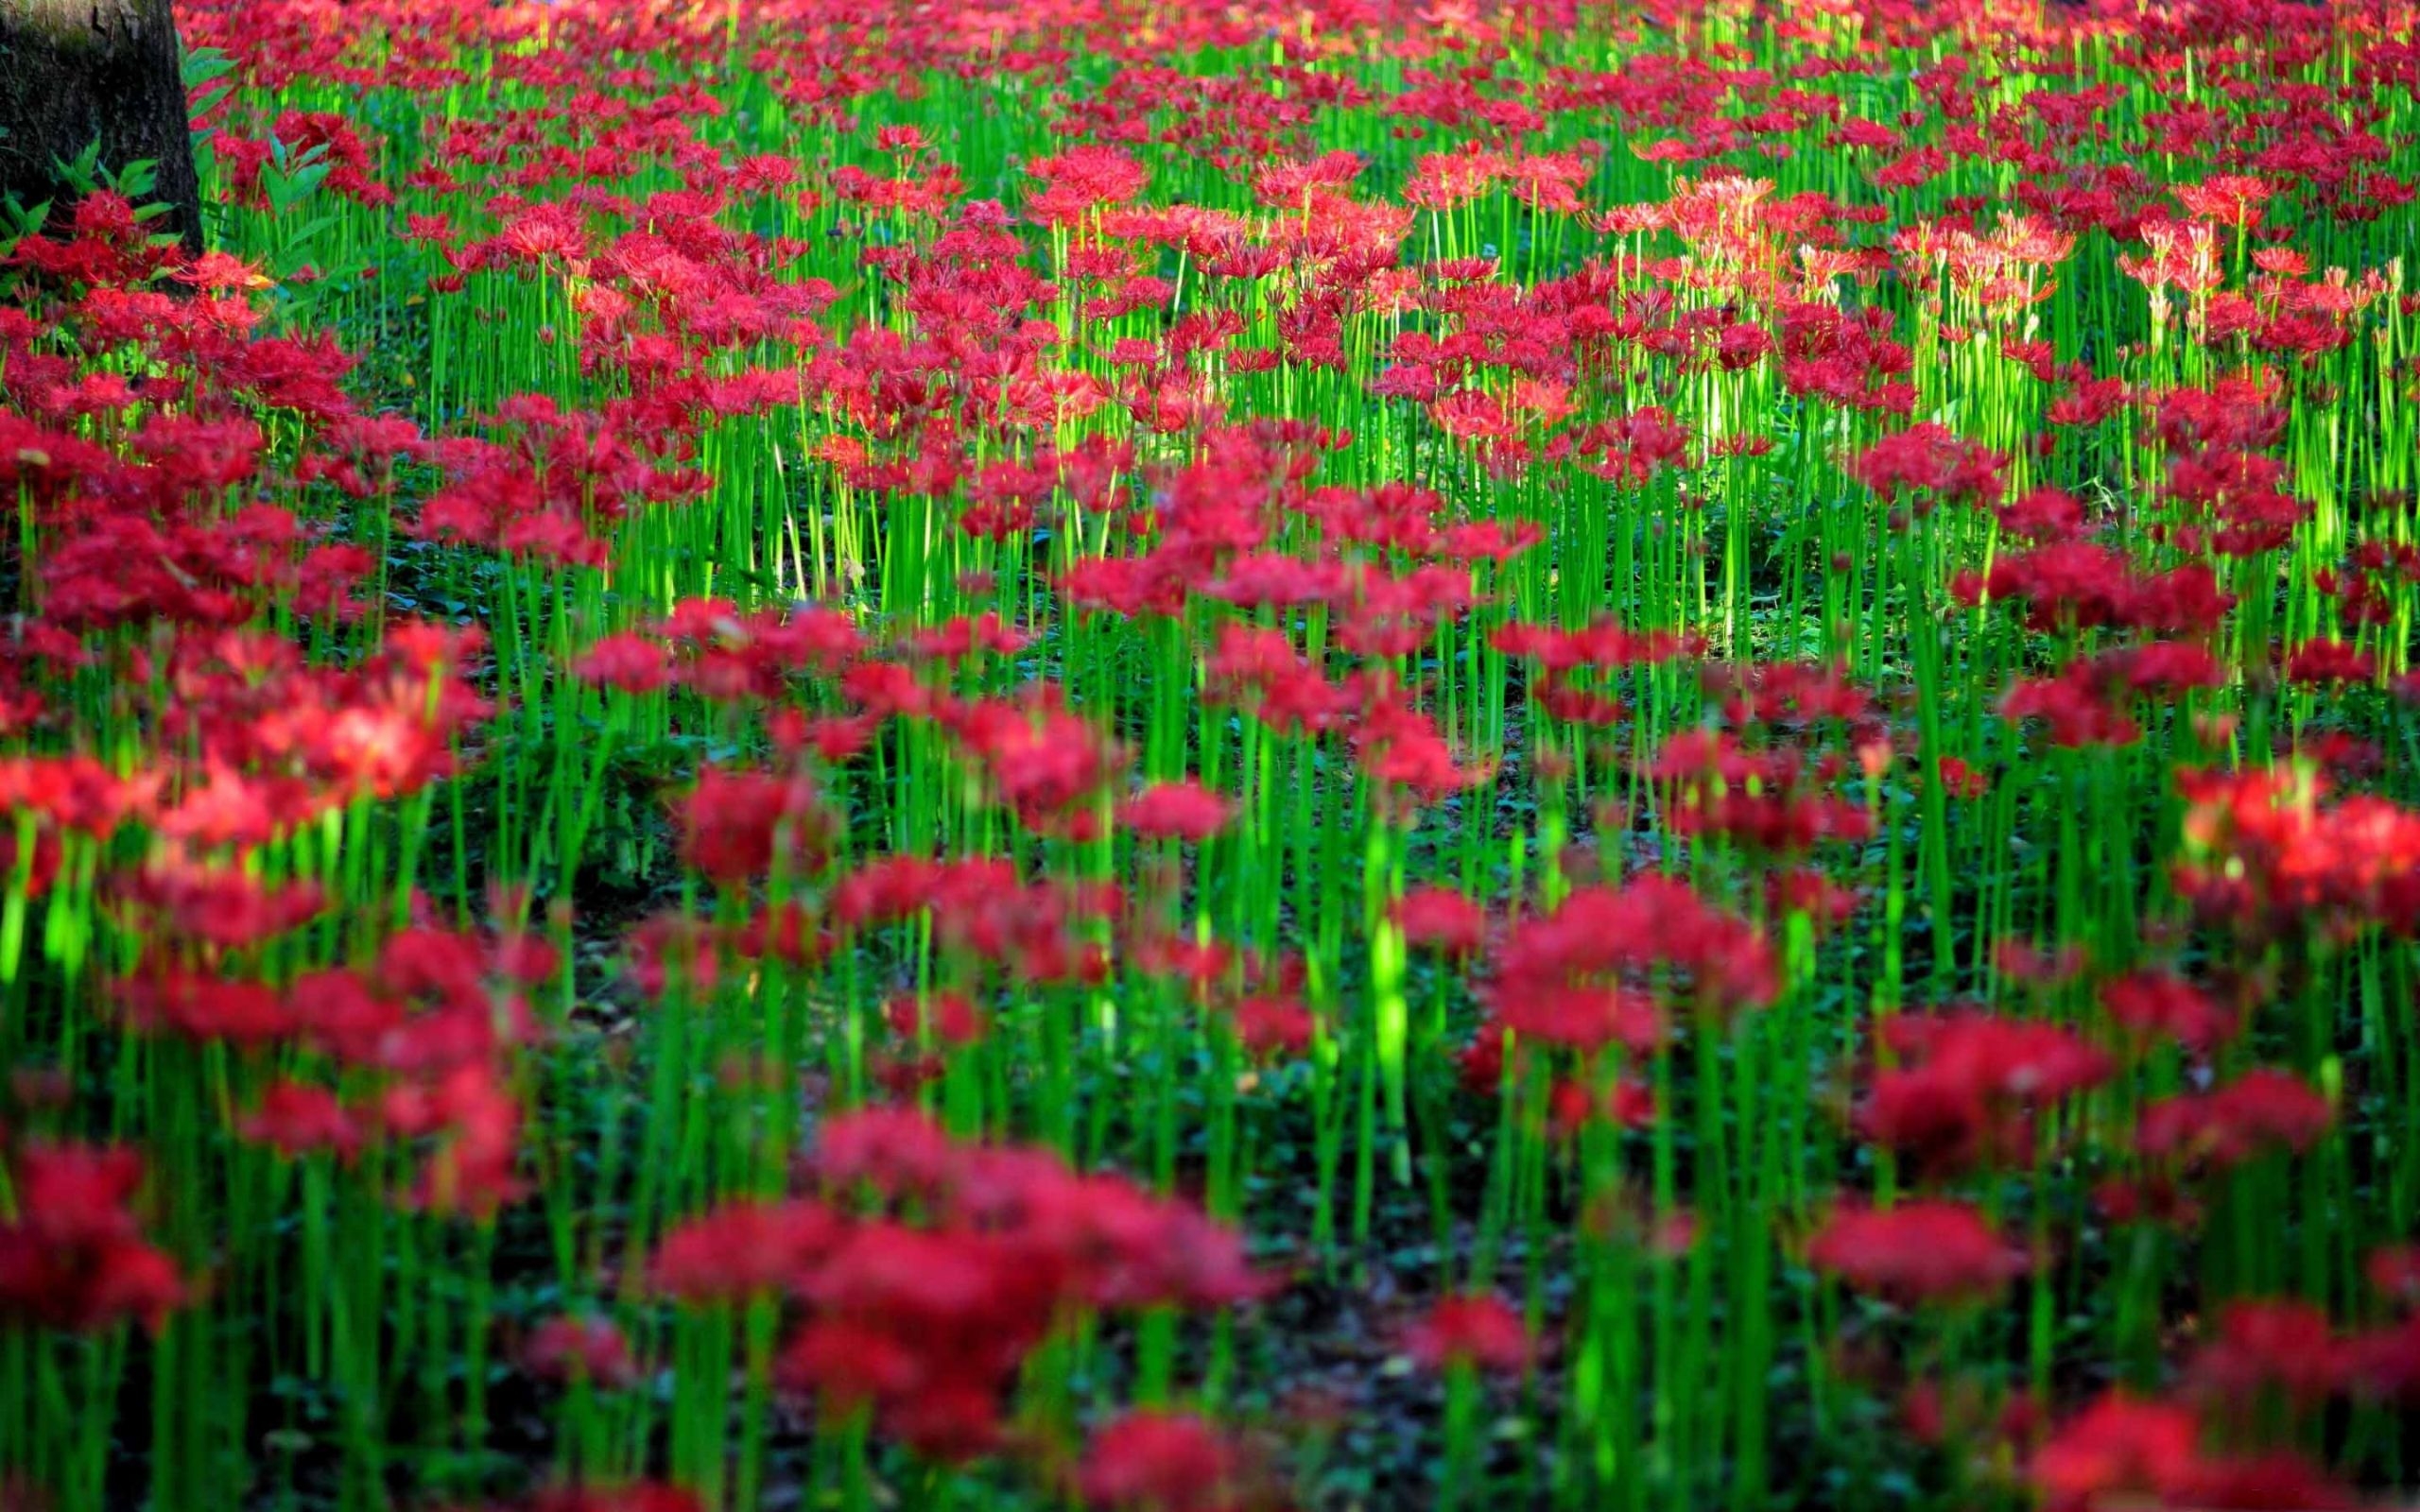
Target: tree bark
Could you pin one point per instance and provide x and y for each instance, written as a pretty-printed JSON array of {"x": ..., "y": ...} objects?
[{"x": 76, "y": 71}]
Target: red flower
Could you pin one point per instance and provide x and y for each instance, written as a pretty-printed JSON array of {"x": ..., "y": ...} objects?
[
  {"x": 568, "y": 1348},
  {"x": 2261, "y": 1108},
  {"x": 1441, "y": 920},
  {"x": 2120, "y": 1446},
  {"x": 1961, "y": 781},
  {"x": 1970, "y": 1086},
  {"x": 742, "y": 1250},
  {"x": 2329, "y": 662},
  {"x": 1481, "y": 1332},
  {"x": 2276, "y": 1481},
  {"x": 1273, "y": 1025},
  {"x": 1161, "y": 1461},
  {"x": 642, "y": 1497},
  {"x": 297, "y": 1119},
  {"x": 1567, "y": 976},
  {"x": 1176, "y": 810},
  {"x": 1917, "y": 1252},
  {"x": 74, "y": 1258},
  {"x": 2261, "y": 1343},
  {"x": 1933, "y": 460},
  {"x": 736, "y": 825},
  {"x": 199, "y": 1006},
  {"x": 951, "y": 1018},
  {"x": 2394, "y": 1271},
  {"x": 2157, "y": 1004},
  {"x": 626, "y": 663}
]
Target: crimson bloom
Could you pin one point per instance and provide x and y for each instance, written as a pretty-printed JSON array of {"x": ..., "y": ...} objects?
[
  {"x": 1916, "y": 1252},
  {"x": 1477, "y": 1331}
]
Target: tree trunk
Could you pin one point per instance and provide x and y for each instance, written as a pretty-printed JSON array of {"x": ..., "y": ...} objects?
[{"x": 73, "y": 72}]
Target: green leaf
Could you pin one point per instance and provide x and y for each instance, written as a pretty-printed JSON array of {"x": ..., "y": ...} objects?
[
  {"x": 308, "y": 229},
  {"x": 82, "y": 172},
  {"x": 137, "y": 179},
  {"x": 209, "y": 102},
  {"x": 25, "y": 220},
  {"x": 203, "y": 64}
]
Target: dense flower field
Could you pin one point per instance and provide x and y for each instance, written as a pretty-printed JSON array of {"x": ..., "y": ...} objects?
[{"x": 793, "y": 753}]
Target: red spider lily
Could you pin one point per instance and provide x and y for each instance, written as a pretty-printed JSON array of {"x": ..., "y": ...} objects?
[
  {"x": 1586, "y": 1018},
  {"x": 1046, "y": 764},
  {"x": 1441, "y": 920},
  {"x": 104, "y": 247},
  {"x": 2394, "y": 1271},
  {"x": 472, "y": 1123},
  {"x": 726, "y": 656},
  {"x": 2274, "y": 1481},
  {"x": 282, "y": 742},
  {"x": 1176, "y": 810},
  {"x": 1479, "y": 1332},
  {"x": 981, "y": 909},
  {"x": 1917, "y": 1252},
  {"x": 1960, "y": 781},
  {"x": 644, "y": 1497},
  {"x": 928, "y": 1325},
  {"x": 2385, "y": 1362},
  {"x": 2183, "y": 256},
  {"x": 75, "y": 793},
  {"x": 214, "y": 905},
  {"x": 2287, "y": 1345},
  {"x": 1604, "y": 645},
  {"x": 2236, "y": 501},
  {"x": 1382, "y": 616},
  {"x": 1633, "y": 449},
  {"x": 585, "y": 1348},
  {"x": 2327, "y": 662},
  {"x": 2263, "y": 1108},
  {"x": 948, "y": 1017},
  {"x": 1201, "y": 966},
  {"x": 1402, "y": 750},
  {"x": 2031, "y": 1062},
  {"x": 1767, "y": 800},
  {"x": 2119, "y": 1447},
  {"x": 2158, "y": 1198},
  {"x": 1259, "y": 670},
  {"x": 1575, "y": 960},
  {"x": 624, "y": 662},
  {"x": 1161, "y": 1461},
  {"x": 1627, "y": 1104},
  {"x": 1810, "y": 893},
  {"x": 1085, "y": 179},
  {"x": 1481, "y": 1063},
  {"x": 1273, "y": 1025},
  {"x": 2073, "y": 585},
  {"x": 1852, "y": 362},
  {"x": 957, "y": 640},
  {"x": 198, "y": 1005},
  {"x": 2158, "y": 1004},
  {"x": 2228, "y": 198},
  {"x": 349, "y": 169},
  {"x": 1938, "y": 1121},
  {"x": 2265, "y": 857},
  {"x": 74, "y": 1258},
  {"x": 2079, "y": 708},
  {"x": 736, "y": 826},
  {"x": 742, "y": 1250},
  {"x": 1938, "y": 466},
  {"x": 1790, "y": 696},
  {"x": 2160, "y": 669},
  {"x": 296, "y": 1120}
]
